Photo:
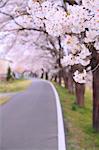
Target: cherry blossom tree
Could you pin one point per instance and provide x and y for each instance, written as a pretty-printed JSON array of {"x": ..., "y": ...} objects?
[
  {"x": 18, "y": 34},
  {"x": 79, "y": 26}
]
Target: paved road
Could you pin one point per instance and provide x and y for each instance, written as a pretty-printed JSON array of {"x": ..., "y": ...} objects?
[{"x": 29, "y": 120}]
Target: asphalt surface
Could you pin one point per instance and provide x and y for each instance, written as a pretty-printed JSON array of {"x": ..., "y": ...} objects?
[{"x": 29, "y": 120}]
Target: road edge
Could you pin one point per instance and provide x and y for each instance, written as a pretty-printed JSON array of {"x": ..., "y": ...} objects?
[{"x": 61, "y": 132}]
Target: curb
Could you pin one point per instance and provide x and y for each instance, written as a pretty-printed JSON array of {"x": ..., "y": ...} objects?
[{"x": 61, "y": 132}]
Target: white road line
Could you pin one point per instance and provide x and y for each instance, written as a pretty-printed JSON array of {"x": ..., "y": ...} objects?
[{"x": 61, "y": 132}]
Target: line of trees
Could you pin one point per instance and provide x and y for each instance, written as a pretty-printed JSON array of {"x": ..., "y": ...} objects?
[
  {"x": 77, "y": 24},
  {"x": 70, "y": 31}
]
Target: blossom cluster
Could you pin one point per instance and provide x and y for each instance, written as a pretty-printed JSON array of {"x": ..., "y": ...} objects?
[
  {"x": 80, "y": 77},
  {"x": 76, "y": 20},
  {"x": 77, "y": 52},
  {"x": 57, "y": 21},
  {"x": 72, "y": 22},
  {"x": 48, "y": 14}
]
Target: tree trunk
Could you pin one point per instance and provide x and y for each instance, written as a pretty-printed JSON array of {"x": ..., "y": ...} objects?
[
  {"x": 95, "y": 70},
  {"x": 96, "y": 99},
  {"x": 60, "y": 77},
  {"x": 70, "y": 82},
  {"x": 65, "y": 78},
  {"x": 80, "y": 91},
  {"x": 46, "y": 75},
  {"x": 65, "y": 81},
  {"x": 42, "y": 75},
  {"x": 51, "y": 78},
  {"x": 55, "y": 78}
]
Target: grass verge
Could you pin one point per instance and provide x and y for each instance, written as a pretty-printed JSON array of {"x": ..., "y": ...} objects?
[
  {"x": 4, "y": 100},
  {"x": 79, "y": 131},
  {"x": 14, "y": 86}
]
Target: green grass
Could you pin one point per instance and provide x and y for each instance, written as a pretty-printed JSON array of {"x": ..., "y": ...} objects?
[
  {"x": 78, "y": 121},
  {"x": 14, "y": 86},
  {"x": 4, "y": 100}
]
